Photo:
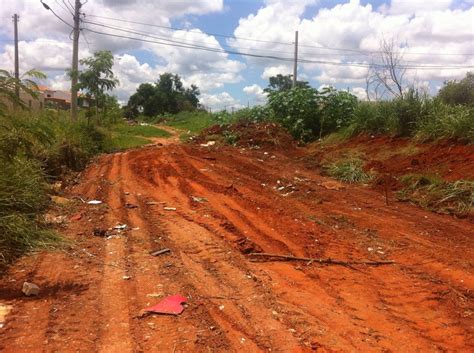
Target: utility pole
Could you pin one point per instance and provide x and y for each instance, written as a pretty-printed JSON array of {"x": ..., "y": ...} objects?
[
  {"x": 295, "y": 65},
  {"x": 75, "y": 60},
  {"x": 17, "y": 65}
]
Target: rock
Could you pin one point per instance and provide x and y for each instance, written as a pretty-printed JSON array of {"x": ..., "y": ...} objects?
[
  {"x": 51, "y": 219},
  {"x": 30, "y": 289},
  {"x": 76, "y": 217}
]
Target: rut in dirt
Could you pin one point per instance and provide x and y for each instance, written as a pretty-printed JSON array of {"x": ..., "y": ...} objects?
[{"x": 225, "y": 203}]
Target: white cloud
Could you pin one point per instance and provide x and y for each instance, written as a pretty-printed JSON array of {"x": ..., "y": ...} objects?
[
  {"x": 359, "y": 92},
  {"x": 219, "y": 101},
  {"x": 422, "y": 30},
  {"x": 256, "y": 92}
]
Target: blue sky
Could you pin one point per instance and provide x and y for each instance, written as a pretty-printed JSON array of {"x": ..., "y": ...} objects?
[{"x": 347, "y": 32}]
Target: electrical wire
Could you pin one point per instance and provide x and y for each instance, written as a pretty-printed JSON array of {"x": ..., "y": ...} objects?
[
  {"x": 47, "y": 7},
  {"x": 173, "y": 43},
  {"x": 360, "y": 51}
]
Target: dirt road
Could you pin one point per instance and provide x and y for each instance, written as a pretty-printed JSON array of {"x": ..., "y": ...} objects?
[{"x": 244, "y": 201}]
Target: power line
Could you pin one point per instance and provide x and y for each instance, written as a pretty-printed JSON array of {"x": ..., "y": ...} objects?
[
  {"x": 360, "y": 51},
  {"x": 173, "y": 43},
  {"x": 47, "y": 7}
]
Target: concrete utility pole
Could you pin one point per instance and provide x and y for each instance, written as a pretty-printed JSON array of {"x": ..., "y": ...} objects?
[
  {"x": 75, "y": 60},
  {"x": 295, "y": 65},
  {"x": 17, "y": 64}
]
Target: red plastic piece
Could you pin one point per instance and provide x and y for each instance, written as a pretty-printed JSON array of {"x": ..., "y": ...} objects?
[{"x": 169, "y": 305}]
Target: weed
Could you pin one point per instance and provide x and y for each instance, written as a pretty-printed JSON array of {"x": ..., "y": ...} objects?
[
  {"x": 349, "y": 170},
  {"x": 437, "y": 195}
]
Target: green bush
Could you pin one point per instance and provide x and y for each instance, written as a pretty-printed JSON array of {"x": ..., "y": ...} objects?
[{"x": 458, "y": 92}]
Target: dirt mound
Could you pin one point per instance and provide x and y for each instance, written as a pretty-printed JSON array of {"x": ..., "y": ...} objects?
[
  {"x": 248, "y": 135},
  {"x": 399, "y": 156}
]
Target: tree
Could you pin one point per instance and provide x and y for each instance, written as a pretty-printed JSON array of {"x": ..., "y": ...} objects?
[
  {"x": 8, "y": 83},
  {"x": 388, "y": 75},
  {"x": 281, "y": 83},
  {"x": 458, "y": 92},
  {"x": 98, "y": 77},
  {"x": 166, "y": 95}
]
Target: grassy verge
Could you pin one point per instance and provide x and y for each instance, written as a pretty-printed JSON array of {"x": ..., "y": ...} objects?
[
  {"x": 123, "y": 136},
  {"x": 192, "y": 123},
  {"x": 437, "y": 195}
]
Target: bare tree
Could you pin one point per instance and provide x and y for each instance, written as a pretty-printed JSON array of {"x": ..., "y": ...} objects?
[{"x": 388, "y": 72}]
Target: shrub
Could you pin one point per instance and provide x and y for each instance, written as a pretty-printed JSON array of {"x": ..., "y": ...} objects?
[
  {"x": 458, "y": 92},
  {"x": 337, "y": 109}
]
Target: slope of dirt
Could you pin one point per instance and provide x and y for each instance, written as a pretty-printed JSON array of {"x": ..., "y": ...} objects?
[
  {"x": 229, "y": 202},
  {"x": 399, "y": 156}
]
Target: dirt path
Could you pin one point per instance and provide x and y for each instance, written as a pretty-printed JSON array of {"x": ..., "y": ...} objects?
[{"x": 244, "y": 200}]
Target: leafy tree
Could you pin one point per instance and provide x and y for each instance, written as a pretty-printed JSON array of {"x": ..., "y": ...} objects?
[
  {"x": 337, "y": 109},
  {"x": 281, "y": 82},
  {"x": 8, "y": 84},
  {"x": 98, "y": 77},
  {"x": 458, "y": 92},
  {"x": 167, "y": 95}
]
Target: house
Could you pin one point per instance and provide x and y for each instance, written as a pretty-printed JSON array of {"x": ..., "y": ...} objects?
[{"x": 61, "y": 99}]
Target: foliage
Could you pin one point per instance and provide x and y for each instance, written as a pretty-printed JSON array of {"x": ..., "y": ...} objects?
[
  {"x": 437, "y": 195},
  {"x": 281, "y": 83},
  {"x": 8, "y": 84},
  {"x": 349, "y": 170},
  {"x": 98, "y": 77},
  {"x": 167, "y": 95},
  {"x": 194, "y": 122},
  {"x": 447, "y": 121},
  {"x": 458, "y": 92},
  {"x": 307, "y": 112}
]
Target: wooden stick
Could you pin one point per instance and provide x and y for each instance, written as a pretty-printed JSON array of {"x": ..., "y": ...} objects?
[
  {"x": 159, "y": 252},
  {"x": 323, "y": 261}
]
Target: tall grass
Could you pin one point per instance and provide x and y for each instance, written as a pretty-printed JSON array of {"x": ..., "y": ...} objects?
[{"x": 35, "y": 148}]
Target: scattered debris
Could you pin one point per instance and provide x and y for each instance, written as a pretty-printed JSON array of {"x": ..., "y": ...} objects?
[
  {"x": 332, "y": 185},
  {"x": 126, "y": 278},
  {"x": 160, "y": 252},
  {"x": 170, "y": 305},
  {"x": 120, "y": 227},
  {"x": 51, "y": 219},
  {"x": 199, "y": 199},
  {"x": 328, "y": 261},
  {"x": 59, "y": 200},
  {"x": 4, "y": 310},
  {"x": 209, "y": 143},
  {"x": 99, "y": 232},
  {"x": 169, "y": 208},
  {"x": 209, "y": 158},
  {"x": 94, "y": 202},
  {"x": 30, "y": 289},
  {"x": 76, "y": 217},
  {"x": 153, "y": 203},
  {"x": 130, "y": 205}
]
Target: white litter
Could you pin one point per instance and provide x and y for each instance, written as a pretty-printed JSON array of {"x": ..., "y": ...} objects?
[{"x": 94, "y": 202}]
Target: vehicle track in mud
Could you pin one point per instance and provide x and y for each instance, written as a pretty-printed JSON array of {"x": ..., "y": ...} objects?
[{"x": 423, "y": 303}]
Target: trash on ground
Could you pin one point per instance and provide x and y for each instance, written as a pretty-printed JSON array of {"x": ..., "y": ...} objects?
[
  {"x": 209, "y": 143},
  {"x": 130, "y": 205},
  {"x": 153, "y": 203},
  {"x": 76, "y": 217},
  {"x": 199, "y": 199},
  {"x": 170, "y": 305},
  {"x": 120, "y": 227},
  {"x": 332, "y": 185},
  {"x": 59, "y": 200},
  {"x": 159, "y": 252},
  {"x": 30, "y": 289},
  {"x": 126, "y": 278},
  {"x": 94, "y": 202},
  {"x": 4, "y": 310},
  {"x": 51, "y": 219},
  {"x": 169, "y": 208},
  {"x": 99, "y": 232}
]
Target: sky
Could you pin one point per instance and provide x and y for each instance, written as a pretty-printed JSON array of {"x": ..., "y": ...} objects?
[{"x": 337, "y": 40}]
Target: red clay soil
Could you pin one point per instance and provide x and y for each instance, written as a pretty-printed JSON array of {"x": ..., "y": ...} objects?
[
  {"x": 398, "y": 156},
  {"x": 244, "y": 200}
]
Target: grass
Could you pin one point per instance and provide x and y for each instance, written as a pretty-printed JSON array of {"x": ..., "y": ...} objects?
[
  {"x": 192, "y": 122},
  {"x": 349, "y": 170},
  {"x": 434, "y": 194},
  {"x": 123, "y": 136}
]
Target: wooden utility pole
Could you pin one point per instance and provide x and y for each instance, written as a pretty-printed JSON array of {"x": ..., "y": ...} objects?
[
  {"x": 295, "y": 65},
  {"x": 17, "y": 64},
  {"x": 75, "y": 60}
]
